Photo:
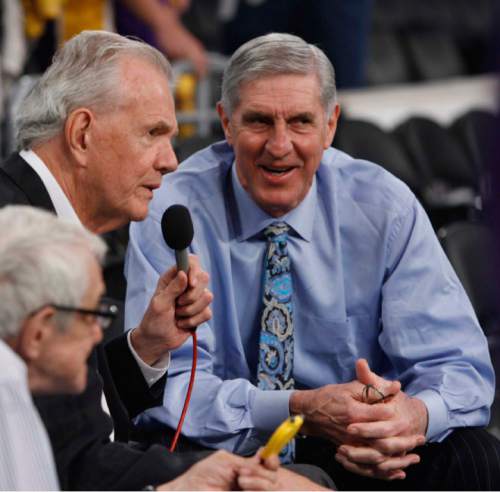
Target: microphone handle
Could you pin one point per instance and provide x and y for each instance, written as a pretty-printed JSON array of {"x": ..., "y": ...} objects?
[{"x": 181, "y": 258}]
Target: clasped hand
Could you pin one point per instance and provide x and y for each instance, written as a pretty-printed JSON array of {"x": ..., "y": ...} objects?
[{"x": 374, "y": 438}]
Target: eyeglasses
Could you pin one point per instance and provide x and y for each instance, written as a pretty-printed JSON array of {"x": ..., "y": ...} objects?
[
  {"x": 372, "y": 395},
  {"x": 104, "y": 314}
]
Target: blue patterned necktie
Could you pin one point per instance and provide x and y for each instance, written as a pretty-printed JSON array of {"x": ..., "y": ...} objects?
[{"x": 276, "y": 336}]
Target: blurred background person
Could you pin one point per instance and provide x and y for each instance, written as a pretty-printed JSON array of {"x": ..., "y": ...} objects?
[
  {"x": 50, "y": 319},
  {"x": 159, "y": 23},
  {"x": 49, "y": 23},
  {"x": 338, "y": 27}
]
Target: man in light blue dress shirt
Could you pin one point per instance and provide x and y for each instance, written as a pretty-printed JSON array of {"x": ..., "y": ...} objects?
[{"x": 372, "y": 291}]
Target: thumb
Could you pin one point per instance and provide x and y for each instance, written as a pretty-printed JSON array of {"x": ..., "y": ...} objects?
[
  {"x": 366, "y": 376},
  {"x": 166, "y": 278},
  {"x": 176, "y": 285}
]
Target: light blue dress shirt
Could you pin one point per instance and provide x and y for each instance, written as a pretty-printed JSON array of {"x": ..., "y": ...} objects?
[{"x": 370, "y": 280}]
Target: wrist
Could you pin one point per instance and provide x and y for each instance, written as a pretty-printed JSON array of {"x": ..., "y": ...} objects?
[
  {"x": 421, "y": 416},
  {"x": 147, "y": 349},
  {"x": 297, "y": 402}
]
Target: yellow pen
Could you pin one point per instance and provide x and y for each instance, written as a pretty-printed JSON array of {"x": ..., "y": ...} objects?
[{"x": 282, "y": 435}]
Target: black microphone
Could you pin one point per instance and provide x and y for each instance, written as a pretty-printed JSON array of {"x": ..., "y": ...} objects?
[{"x": 177, "y": 230}]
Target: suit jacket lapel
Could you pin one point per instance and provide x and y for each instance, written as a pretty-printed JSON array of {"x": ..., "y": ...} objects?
[{"x": 23, "y": 175}]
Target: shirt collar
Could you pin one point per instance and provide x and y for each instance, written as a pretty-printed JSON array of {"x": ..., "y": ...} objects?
[
  {"x": 62, "y": 205},
  {"x": 253, "y": 219}
]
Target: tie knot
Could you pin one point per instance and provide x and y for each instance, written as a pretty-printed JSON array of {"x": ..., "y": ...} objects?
[{"x": 276, "y": 231}]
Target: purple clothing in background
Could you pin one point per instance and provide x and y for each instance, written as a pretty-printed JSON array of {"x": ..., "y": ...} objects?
[{"x": 128, "y": 24}]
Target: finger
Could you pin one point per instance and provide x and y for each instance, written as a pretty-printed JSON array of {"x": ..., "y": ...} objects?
[
  {"x": 366, "y": 471},
  {"x": 193, "y": 293},
  {"x": 369, "y": 470},
  {"x": 248, "y": 482},
  {"x": 362, "y": 454},
  {"x": 170, "y": 285},
  {"x": 398, "y": 444},
  {"x": 398, "y": 462},
  {"x": 366, "y": 376},
  {"x": 174, "y": 288},
  {"x": 194, "y": 270},
  {"x": 194, "y": 321},
  {"x": 194, "y": 298},
  {"x": 378, "y": 429},
  {"x": 272, "y": 463},
  {"x": 363, "y": 412},
  {"x": 256, "y": 475},
  {"x": 166, "y": 278},
  {"x": 204, "y": 299}
]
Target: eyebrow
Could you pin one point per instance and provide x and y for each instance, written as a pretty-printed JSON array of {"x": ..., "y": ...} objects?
[
  {"x": 164, "y": 127},
  {"x": 254, "y": 114}
]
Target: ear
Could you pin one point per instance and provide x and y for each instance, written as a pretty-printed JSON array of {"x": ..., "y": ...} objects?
[
  {"x": 225, "y": 122},
  {"x": 35, "y": 333},
  {"x": 77, "y": 132},
  {"x": 331, "y": 126}
]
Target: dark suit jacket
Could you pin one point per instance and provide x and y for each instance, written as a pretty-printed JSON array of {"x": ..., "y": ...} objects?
[{"x": 77, "y": 425}]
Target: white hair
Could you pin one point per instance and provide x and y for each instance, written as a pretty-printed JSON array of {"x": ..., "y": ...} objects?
[
  {"x": 84, "y": 73},
  {"x": 43, "y": 260},
  {"x": 277, "y": 54}
]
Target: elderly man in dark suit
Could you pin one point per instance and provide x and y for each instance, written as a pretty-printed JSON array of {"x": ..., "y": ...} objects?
[{"x": 95, "y": 139}]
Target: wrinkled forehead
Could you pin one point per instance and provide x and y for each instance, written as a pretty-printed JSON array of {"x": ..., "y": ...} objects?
[{"x": 285, "y": 92}]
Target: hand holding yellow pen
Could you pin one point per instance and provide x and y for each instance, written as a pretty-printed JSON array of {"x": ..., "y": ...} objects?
[{"x": 282, "y": 435}]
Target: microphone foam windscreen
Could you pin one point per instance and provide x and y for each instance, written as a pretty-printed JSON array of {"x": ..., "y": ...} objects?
[{"x": 177, "y": 227}]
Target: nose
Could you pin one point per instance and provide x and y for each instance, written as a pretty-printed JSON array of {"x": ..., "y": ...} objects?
[
  {"x": 97, "y": 333},
  {"x": 166, "y": 160},
  {"x": 279, "y": 143}
]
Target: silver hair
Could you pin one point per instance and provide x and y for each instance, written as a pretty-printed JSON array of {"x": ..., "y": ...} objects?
[
  {"x": 276, "y": 54},
  {"x": 43, "y": 260},
  {"x": 84, "y": 73}
]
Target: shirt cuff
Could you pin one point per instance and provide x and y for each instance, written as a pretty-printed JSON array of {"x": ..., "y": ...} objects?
[
  {"x": 270, "y": 408},
  {"x": 151, "y": 373},
  {"x": 437, "y": 427}
]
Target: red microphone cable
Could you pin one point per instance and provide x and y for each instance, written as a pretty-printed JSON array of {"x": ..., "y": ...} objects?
[
  {"x": 177, "y": 230},
  {"x": 188, "y": 394}
]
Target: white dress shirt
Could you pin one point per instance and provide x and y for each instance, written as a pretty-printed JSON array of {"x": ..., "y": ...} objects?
[
  {"x": 65, "y": 210},
  {"x": 26, "y": 461}
]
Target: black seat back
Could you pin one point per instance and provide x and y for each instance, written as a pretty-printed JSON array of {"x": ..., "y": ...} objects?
[
  {"x": 365, "y": 140},
  {"x": 470, "y": 249},
  {"x": 437, "y": 153}
]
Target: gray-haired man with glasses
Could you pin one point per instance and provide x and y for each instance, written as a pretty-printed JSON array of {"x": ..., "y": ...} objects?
[{"x": 47, "y": 266}]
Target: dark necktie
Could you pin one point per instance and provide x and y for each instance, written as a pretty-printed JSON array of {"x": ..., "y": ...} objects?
[{"x": 276, "y": 336}]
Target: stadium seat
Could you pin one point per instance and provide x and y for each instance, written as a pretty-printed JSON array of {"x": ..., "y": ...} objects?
[
  {"x": 366, "y": 140},
  {"x": 470, "y": 249},
  {"x": 386, "y": 60},
  {"x": 476, "y": 129},
  {"x": 449, "y": 178},
  {"x": 433, "y": 55}
]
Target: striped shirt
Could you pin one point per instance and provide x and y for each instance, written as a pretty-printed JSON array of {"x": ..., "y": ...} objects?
[{"x": 26, "y": 461}]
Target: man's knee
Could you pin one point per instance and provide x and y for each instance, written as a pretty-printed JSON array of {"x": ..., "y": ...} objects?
[
  {"x": 471, "y": 460},
  {"x": 314, "y": 473}
]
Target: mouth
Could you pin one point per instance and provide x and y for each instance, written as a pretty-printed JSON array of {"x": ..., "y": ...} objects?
[
  {"x": 151, "y": 187},
  {"x": 276, "y": 170}
]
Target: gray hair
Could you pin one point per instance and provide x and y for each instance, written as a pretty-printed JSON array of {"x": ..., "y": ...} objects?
[
  {"x": 276, "y": 54},
  {"x": 84, "y": 73},
  {"x": 43, "y": 260}
]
